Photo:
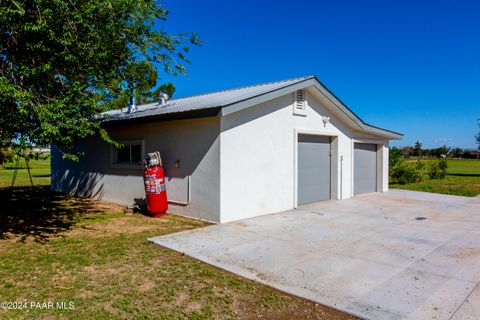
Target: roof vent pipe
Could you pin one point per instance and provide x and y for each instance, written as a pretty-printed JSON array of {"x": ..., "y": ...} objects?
[
  {"x": 132, "y": 106},
  {"x": 163, "y": 98}
]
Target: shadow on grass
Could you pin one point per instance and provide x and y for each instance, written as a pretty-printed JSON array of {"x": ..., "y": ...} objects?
[
  {"x": 39, "y": 213},
  {"x": 41, "y": 175},
  {"x": 465, "y": 174}
]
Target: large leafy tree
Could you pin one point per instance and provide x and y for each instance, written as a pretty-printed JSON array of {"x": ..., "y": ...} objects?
[
  {"x": 63, "y": 62},
  {"x": 141, "y": 82}
]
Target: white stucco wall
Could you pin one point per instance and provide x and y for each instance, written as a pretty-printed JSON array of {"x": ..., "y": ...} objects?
[
  {"x": 258, "y": 156},
  {"x": 194, "y": 143}
]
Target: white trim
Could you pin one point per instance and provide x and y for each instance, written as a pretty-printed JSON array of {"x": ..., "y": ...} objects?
[
  {"x": 368, "y": 140},
  {"x": 127, "y": 165},
  {"x": 340, "y": 197},
  {"x": 295, "y": 168},
  {"x": 317, "y": 132},
  {"x": 334, "y": 168},
  {"x": 352, "y": 174},
  {"x": 379, "y": 169}
]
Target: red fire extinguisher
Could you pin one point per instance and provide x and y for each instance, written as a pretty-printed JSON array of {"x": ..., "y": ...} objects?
[{"x": 155, "y": 191}]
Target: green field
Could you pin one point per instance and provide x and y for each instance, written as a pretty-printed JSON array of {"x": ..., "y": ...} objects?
[
  {"x": 463, "y": 179},
  {"x": 40, "y": 170}
]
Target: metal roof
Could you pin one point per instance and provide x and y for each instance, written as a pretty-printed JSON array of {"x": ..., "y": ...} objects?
[
  {"x": 232, "y": 100},
  {"x": 203, "y": 101}
]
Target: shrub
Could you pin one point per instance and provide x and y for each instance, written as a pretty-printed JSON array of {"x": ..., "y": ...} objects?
[
  {"x": 395, "y": 159},
  {"x": 420, "y": 167},
  {"x": 435, "y": 172},
  {"x": 6, "y": 155},
  {"x": 443, "y": 164},
  {"x": 403, "y": 174},
  {"x": 438, "y": 169}
]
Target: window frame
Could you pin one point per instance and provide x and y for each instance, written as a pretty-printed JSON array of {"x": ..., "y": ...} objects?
[{"x": 130, "y": 165}]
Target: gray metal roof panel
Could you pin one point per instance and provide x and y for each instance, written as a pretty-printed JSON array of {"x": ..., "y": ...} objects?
[{"x": 203, "y": 101}]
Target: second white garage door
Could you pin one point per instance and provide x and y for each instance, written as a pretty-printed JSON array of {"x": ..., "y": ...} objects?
[
  {"x": 314, "y": 168},
  {"x": 365, "y": 168}
]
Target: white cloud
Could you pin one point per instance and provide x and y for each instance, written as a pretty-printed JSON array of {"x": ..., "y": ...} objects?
[{"x": 442, "y": 139}]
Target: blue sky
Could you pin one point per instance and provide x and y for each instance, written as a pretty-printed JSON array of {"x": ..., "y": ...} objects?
[{"x": 409, "y": 66}]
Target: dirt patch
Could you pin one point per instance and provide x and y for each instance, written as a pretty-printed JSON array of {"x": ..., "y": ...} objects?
[
  {"x": 113, "y": 226},
  {"x": 146, "y": 285},
  {"x": 296, "y": 309},
  {"x": 84, "y": 294}
]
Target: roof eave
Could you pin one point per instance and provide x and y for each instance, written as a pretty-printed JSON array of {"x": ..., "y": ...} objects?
[
  {"x": 266, "y": 96},
  {"x": 355, "y": 118},
  {"x": 310, "y": 81},
  {"x": 180, "y": 115},
  {"x": 386, "y": 134}
]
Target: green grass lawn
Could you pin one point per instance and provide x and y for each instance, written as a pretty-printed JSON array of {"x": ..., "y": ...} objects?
[
  {"x": 40, "y": 170},
  {"x": 463, "y": 179},
  {"x": 60, "y": 248}
]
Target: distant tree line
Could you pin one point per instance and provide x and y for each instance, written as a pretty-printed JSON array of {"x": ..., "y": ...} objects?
[
  {"x": 441, "y": 152},
  {"x": 477, "y": 137}
]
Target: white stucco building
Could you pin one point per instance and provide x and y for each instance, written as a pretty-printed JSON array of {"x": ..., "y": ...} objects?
[{"x": 236, "y": 154}]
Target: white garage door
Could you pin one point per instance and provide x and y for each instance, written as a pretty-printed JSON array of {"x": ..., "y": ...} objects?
[
  {"x": 313, "y": 168},
  {"x": 365, "y": 168}
]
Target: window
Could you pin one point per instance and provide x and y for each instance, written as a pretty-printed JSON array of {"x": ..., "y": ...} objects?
[{"x": 130, "y": 154}]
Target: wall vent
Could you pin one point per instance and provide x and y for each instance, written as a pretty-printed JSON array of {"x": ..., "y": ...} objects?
[{"x": 300, "y": 100}]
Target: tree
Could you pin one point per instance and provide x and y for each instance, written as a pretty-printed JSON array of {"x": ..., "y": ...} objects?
[
  {"x": 64, "y": 62},
  {"x": 5, "y": 156},
  {"x": 456, "y": 152},
  {"x": 438, "y": 169},
  {"x": 144, "y": 97},
  {"x": 399, "y": 171},
  {"x": 477, "y": 137},
  {"x": 140, "y": 81},
  {"x": 167, "y": 88},
  {"x": 417, "y": 149},
  {"x": 395, "y": 158},
  {"x": 443, "y": 151},
  {"x": 406, "y": 151}
]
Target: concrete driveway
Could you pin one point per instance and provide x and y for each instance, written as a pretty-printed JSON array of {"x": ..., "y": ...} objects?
[{"x": 396, "y": 255}]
